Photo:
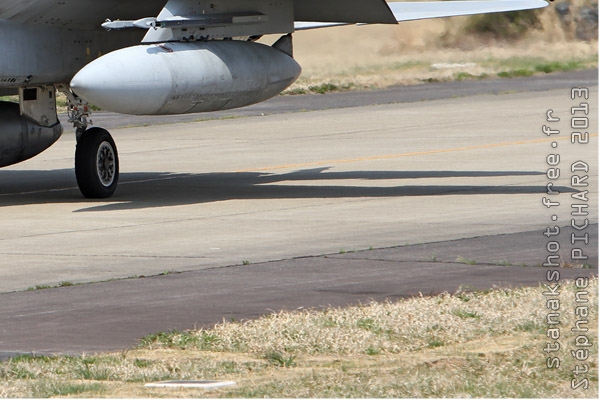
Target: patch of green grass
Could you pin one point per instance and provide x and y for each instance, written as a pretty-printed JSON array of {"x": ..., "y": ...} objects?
[
  {"x": 18, "y": 372},
  {"x": 207, "y": 340},
  {"x": 91, "y": 369},
  {"x": 525, "y": 66},
  {"x": 39, "y": 287},
  {"x": 277, "y": 359},
  {"x": 141, "y": 363},
  {"x": 465, "y": 314},
  {"x": 169, "y": 272},
  {"x": 530, "y": 326},
  {"x": 433, "y": 343},
  {"x": 461, "y": 76},
  {"x": 373, "y": 351},
  {"x": 329, "y": 323},
  {"x": 328, "y": 87},
  {"x": 31, "y": 358},
  {"x": 160, "y": 338},
  {"x": 370, "y": 325},
  {"x": 431, "y": 80},
  {"x": 556, "y": 66},
  {"x": 296, "y": 91},
  {"x": 44, "y": 287},
  {"x": 64, "y": 389},
  {"x": 229, "y": 367},
  {"x": 515, "y": 73},
  {"x": 468, "y": 261},
  {"x": 324, "y": 88},
  {"x": 201, "y": 340},
  {"x": 465, "y": 293}
]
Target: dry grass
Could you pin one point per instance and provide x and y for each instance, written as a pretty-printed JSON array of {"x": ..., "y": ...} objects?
[
  {"x": 464, "y": 345},
  {"x": 376, "y": 56},
  {"x": 411, "y": 325}
]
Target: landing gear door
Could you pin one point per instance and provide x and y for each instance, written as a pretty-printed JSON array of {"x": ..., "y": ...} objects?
[{"x": 39, "y": 104}]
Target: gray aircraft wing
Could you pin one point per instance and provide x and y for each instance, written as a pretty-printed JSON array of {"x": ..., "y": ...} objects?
[
  {"x": 89, "y": 14},
  {"x": 409, "y": 11}
]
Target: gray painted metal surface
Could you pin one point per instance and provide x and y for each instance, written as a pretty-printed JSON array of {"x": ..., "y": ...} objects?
[
  {"x": 21, "y": 138},
  {"x": 179, "y": 78},
  {"x": 75, "y": 14},
  {"x": 32, "y": 55},
  {"x": 185, "y": 20}
]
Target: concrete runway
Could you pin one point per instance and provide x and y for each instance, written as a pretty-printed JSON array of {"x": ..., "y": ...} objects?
[{"x": 449, "y": 190}]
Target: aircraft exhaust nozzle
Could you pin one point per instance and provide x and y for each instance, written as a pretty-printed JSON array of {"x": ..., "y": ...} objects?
[{"x": 179, "y": 78}]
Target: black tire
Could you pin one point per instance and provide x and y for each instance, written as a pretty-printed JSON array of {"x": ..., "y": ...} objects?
[{"x": 96, "y": 164}]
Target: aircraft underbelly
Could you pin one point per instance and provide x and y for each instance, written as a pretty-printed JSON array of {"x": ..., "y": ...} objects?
[
  {"x": 365, "y": 11},
  {"x": 75, "y": 14},
  {"x": 35, "y": 56}
]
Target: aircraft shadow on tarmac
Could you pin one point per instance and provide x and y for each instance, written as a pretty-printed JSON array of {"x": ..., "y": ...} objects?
[{"x": 147, "y": 190}]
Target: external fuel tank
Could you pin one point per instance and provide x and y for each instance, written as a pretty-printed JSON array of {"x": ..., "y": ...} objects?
[{"x": 179, "y": 78}]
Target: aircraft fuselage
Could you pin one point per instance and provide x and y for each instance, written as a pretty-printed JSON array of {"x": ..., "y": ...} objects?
[{"x": 32, "y": 55}]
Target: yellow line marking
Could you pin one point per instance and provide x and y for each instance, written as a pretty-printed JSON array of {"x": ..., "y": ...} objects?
[{"x": 416, "y": 153}]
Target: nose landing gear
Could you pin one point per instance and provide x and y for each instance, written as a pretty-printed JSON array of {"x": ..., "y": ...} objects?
[{"x": 96, "y": 156}]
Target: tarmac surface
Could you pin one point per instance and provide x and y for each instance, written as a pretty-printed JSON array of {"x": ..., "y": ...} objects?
[{"x": 288, "y": 208}]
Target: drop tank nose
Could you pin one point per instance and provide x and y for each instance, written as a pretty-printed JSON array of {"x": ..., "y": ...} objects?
[
  {"x": 128, "y": 81},
  {"x": 178, "y": 78},
  {"x": 22, "y": 138}
]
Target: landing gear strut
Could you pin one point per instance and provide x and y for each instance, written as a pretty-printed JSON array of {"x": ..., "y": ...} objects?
[{"x": 96, "y": 156}]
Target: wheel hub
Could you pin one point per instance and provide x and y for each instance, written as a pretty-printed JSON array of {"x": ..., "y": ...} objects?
[{"x": 106, "y": 164}]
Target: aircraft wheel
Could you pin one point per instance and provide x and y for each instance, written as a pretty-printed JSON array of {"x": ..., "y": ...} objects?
[{"x": 96, "y": 164}]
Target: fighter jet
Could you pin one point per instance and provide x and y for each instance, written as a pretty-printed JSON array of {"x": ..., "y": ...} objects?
[{"x": 151, "y": 58}]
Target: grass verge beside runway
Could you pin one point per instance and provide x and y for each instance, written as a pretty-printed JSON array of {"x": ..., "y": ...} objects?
[{"x": 483, "y": 344}]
